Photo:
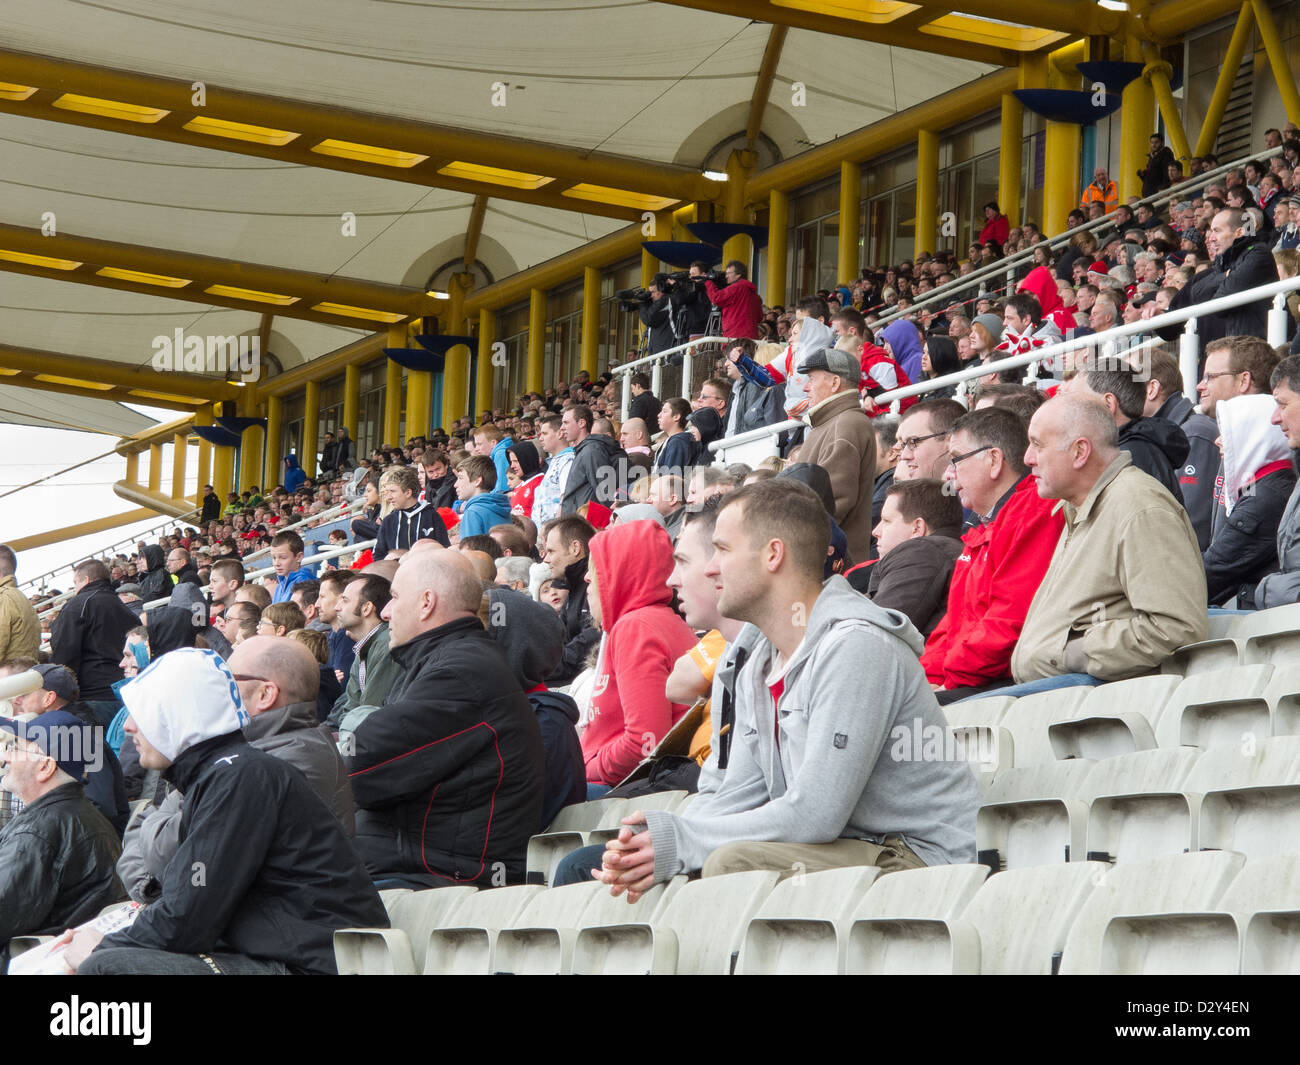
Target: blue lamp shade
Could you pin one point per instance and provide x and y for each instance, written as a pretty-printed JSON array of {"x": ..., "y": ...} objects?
[
  {"x": 718, "y": 233},
  {"x": 416, "y": 359},
  {"x": 440, "y": 344},
  {"x": 238, "y": 425},
  {"x": 1116, "y": 75},
  {"x": 216, "y": 434},
  {"x": 681, "y": 253},
  {"x": 1067, "y": 105}
]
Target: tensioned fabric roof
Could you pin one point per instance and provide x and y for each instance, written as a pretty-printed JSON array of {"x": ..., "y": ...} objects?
[{"x": 657, "y": 82}]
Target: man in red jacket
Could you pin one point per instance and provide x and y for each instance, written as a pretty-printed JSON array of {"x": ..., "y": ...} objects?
[
  {"x": 996, "y": 576},
  {"x": 739, "y": 301},
  {"x": 629, "y": 598}
]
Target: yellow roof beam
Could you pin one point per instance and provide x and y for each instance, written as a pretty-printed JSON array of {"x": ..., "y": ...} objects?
[
  {"x": 24, "y": 366},
  {"x": 995, "y": 34}
]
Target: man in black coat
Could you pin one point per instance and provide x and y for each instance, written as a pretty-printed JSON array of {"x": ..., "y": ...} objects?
[
  {"x": 657, "y": 316},
  {"x": 151, "y": 573},
  {"x": 244, "y": 893},
  {"x": 448, "y": 774},
  {"x": 1155, "y": 175},
  {"x": 644, "y": 405},
  {"x": 599, "y": 465},
  {"x": 89, "y": 635},
  {"x": 565, "y": 551}
]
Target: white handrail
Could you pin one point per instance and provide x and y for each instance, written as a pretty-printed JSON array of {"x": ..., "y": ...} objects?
[{"x": 657, "y": 360}]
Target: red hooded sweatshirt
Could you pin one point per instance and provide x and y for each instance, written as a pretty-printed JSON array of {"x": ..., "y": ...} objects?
[
  {"x": 644, "y": 637},
  {"x": 1041, "y": 283}
]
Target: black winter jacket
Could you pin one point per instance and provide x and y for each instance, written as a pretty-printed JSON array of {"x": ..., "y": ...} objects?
[
  {"x": 657, "y": 317},
  {"x": 1244, "y": 548},
  {"x": 263, "y": 867},
  {"x": 448, "y": 774},
  {"x": 1247, "y": 264},
  {"x": 1158, "y": 447},
  {"x": 646, "y": 407},
  {"x": 581, "y": 631},
  {"x": 88, "y": 637},
  {"x": 1198, "y": 474},
  {"x": 403, "y": 527},
  {"x": 58, "y": 860},
  {"x": 105, "y": 786},
  {"x": 566, "y": 773},
  {"x": 595, "y": 473},
  {"x": 157, "y": 582}
]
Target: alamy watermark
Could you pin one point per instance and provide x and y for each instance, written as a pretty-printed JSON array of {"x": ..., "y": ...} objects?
[{"x": 182, "y": 353}]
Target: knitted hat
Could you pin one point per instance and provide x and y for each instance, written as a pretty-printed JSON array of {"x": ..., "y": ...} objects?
[{"x": 992, "y": 325}]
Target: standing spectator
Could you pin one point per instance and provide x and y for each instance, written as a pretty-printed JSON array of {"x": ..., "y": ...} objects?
[
  {"x": 409, "y": 520},
  {"x": 1155, "y": 175},
  {"x": 677, "y": 447},
  {"x": 739, "y": 301},
  {"x": 20, "y": 630},
  {"x": 211, "y": 505},
  {"x": 89, "y": 635},
  {"x": 644, "y": 405},
  {"x": 559, "y": 453},
  {"x": 1242, "y": 261},
  {"x": 286, "y": 556},
  {"x": 566, "y": 553},
  {"x": 595, "y": 473},
  {"x": 997, "y": 226},
  {"x": 482, "y": 506},
  {"x": 657, "y": 316},
  {"x": 1100, "y": 190},
  {"x": 329, "y": 454},
  {"x": 493, "y": 444}
]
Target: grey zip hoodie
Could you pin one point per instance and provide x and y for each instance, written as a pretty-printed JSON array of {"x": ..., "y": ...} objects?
[{"x": 856, "y": 716}]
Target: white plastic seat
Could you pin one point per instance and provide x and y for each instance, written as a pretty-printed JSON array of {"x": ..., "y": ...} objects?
[
  {"x": 1028, "y": 718},
  {"x": 1250, "y": 799},
  {"x": 1269, "y": 636},
  {"x": 1254, "y": 928},
  {"x": 548, "y": 849},
  {"x": 1136, "y": 805},
  {"x": 466, "y": 945},
  {"x": 1175, "y": 882},
  {"x": 902, "y": 927},
  {"x": 799, "y": 928},
  {"x": 1033, "y": 816},
  {"x": 581, "y": 816},
  {"x": 1283, "y": 698},
  {"x": 989, "y": 710},
  {"x": 659, "y": 800},
  {"x": 1217, "y": 651},
  {"x": 1113, "y": 719},
  {"x": 699, "y": 931},
  {"x": 398, "y": 950},
  {"x": 1218, "y": 707}
]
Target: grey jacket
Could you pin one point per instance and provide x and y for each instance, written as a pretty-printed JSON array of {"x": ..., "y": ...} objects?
[
  {"x": 381, "y": 672},
  {"x": 1278, "y": 589},
  {"x": 291, "y": 734},
  {"x": 851, "y": 763}
]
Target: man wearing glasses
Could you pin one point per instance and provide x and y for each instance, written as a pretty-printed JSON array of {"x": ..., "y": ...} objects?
[
  {"x": 1004, "y": 560},
  {"x": 923, "y": 439}
]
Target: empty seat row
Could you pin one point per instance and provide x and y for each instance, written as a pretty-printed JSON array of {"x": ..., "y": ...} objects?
[{"x": 1262, "y": 637}]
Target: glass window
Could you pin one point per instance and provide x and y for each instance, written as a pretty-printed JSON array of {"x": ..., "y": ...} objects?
[
  {"x": 828, "y": 264},
  {"x": 904, "y": 225}
]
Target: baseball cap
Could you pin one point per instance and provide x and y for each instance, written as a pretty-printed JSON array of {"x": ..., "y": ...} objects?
[
  {"x": 60, "y": 680},
  {"x": 61, "y": 735},
  {"x": 832, "y": 360}
]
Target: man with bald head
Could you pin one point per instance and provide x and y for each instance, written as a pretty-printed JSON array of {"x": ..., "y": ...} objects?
[
  {"x": 1126, "y": 585},
  {"x": 448, "y": 773},
  {"x": 634, "y": 438},
  {"x": 278, "y": 680}
]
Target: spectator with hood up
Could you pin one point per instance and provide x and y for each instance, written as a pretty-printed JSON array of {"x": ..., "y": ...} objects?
[
  {"x": 903, "y": 343},
  {"x": 155, "y": 582},
  {"x": 294, "y": 475}
]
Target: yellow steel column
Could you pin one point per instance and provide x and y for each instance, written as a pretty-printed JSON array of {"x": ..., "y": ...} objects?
[
  {"x": 202, "y": 416},
  {"x": 1061, "y": 162},
  {"x": 180, "y": 458},
  {"x": 1277, "y": 59},
  {"x": 487, "y": 334},
  {"x": 590, "y": 350},
  {"x": 1157, "y": 72},
  {"x": 1137, "y": 123},
  {"x": 351, "y": 398},
  {"x": 739, "y": 165},
  {"x": 850, "y": 223},
  {"x": 778, "y": 219},
  {"x": 155, "y": 467},
  {"x": 133, "y": 469},
  {"x": 455, "y": 376},
  {"x": 1223, "y": 87},
  {"x": 419, "y": 400},
  {"x": 310, "y": 428},
  {"x": 393, "y": 388},
  {"x": 271, "y": 457},
  {"x": 223, "y": 472},
  {"x": 536, "y": 341},
  {"x": 927, "y": 191},
  {"x": 1009, "y": 160}
]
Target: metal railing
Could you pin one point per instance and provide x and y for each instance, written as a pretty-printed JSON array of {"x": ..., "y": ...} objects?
[
  {"x": 1008, "y": 266},
  {"x": 1189, "y": 353},
  {"x": 656, "y": 364}
]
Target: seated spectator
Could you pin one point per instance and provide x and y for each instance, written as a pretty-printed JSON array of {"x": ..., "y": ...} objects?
[
  {"x": 277, "y": 682},
  {"x": 513, "y": 572},
  {"x": 532, "y": 638},
  {"x": 628, "y": 596},
  {"x": 449, "y": 773},
  {"x": 88, "y": 635},
  {"x": 482, "y": 506},
  {"x": 226, "y": 579},
  {"x": 1007, "y": 552},
  {"x": 491, "y": 443},
  {"x": 1157, "y": 446},
  {"x": 668, "y": 498},
  {"x": 918, "y": 543},
  {"x": 105, "y": 787},
  {"x": 811, "y": 780},
  {"x": 360, "y": 609},
  {"x": 1242, "y": 261},
  {"x": 1126, "y": 586},
  {"x": 286, "y": 556},
  {"x": 816, "y": 478},
  {"x": 634, "y": 439},
  {"x": 566, "y": 552},
  {"x": 408, "y": 519},
  {"x": 886, "y": 430},
  {"x": 304, "y": 596},
  {"x": 677, "y": 448},
  {"x": 280, "y": 619},
  {"x": 181, "y": 567},
  {"x": 1284, "y": 586},
  {"x": 243, "y": 892},
  {"x": 58, "y": 853},
  {"x": 1258, "y": 478},
  {"x": 923, "y": 439},
  {"x": 366, "y": 525}
]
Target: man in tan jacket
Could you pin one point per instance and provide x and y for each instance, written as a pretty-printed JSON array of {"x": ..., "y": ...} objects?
[
  {"x": 20, "y": 632},
  {"x": 841, "y": 441},
  {"x": 1126, "y": 585}
]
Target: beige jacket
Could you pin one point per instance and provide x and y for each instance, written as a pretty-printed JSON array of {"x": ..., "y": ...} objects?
[
  {"x": 1126, "y": 576},
  {"x": 20, "y": 632},
  {"x": 842, "y": 441}
]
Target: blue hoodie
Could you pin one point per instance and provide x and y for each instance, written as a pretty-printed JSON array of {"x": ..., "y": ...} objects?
[
  {"x": 284, "y": 585},
  {"x": 905, "y": 343},
  {"x": 502, "y": 462},
  {"x": 481, "y": 512},
  {"x": 294, "y": 475}
]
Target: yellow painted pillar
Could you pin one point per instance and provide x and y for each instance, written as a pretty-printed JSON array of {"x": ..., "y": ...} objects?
[
  {"x": 1137, "y": 123},
  {"x": 223, "y": 472},
  {"x": 590, "y": 349},
  {"x": 778, "y": 221},
  {"x": 1223, "y": 87},
  {"x": 271, "y": 451},
  {"x": 133, "y": 469},
  {"x": 351, "y": 398},
  {"x": 310, "y": 428},
  {"x": 847, "y": 257},
  {"x": 155, "y": 467},
  {"x": 1009, "y": 162},
  {"x": 419, "y": 402},
  {"x": 1277, "y": 59},
  {"x": 927, "y": 191},
  {"x": 534, "y": 381},
  {"x": 486, "y": 378},
  {"x": 203, "y": 416},
  {"x": 739, "y": 166},
  {"x": 180, "y": 459},
  {"x": 393, "y": 388},
  {"x": 1060, "y": 175},
  {"x": 455, "y": 378}
]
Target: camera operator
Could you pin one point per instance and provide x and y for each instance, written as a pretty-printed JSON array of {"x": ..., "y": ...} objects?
[
  {"x": 738, "y": 300},
  {"x": 652, "y": 307},
  {"x": 691, "y": 304}
]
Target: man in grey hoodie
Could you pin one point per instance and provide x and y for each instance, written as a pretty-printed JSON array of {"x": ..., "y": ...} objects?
[{"x": 817, "y": 774}]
